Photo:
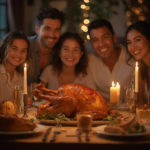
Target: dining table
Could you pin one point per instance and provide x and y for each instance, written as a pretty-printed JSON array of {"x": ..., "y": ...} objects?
[{"x": 69, "y": 139}]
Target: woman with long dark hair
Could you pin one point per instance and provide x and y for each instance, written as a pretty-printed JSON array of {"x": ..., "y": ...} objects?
[{"x": 138, "y": 45}]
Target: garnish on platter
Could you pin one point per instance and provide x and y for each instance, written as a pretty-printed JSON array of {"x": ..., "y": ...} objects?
[
  {"x": 125, "y": 124},
  {"x": 55, "y": 117},
  {"x": 48, "y": 116}
]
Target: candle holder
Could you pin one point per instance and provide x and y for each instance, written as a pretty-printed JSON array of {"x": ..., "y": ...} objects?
[
  {"x": 136, "y": 101},
  {"x": 25, "y": 96}
]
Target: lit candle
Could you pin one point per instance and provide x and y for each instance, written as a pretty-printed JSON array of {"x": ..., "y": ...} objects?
[
  {"x": 136, "y": 78},
  {"x": 113, "y": 93},
  {"x": 25, "y": 78},
  {"x": 118, "y": 91}
]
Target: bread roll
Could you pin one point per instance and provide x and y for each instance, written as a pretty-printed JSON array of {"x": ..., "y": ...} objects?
[{"x": 7, "y": 107}]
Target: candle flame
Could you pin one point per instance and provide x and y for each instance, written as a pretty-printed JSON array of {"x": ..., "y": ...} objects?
[
  {"x": 136, "y": 64},
  {"x": 25, "y": 65},
  {"x": 113, "y": 84},
  {"x": 117, "y": 84}
]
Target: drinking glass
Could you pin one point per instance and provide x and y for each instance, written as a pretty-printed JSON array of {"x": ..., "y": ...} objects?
[
  {"x": 130, "y": 99},
  {"x": 34, "y": 98},
  {"x": 84, "y": 121},
  {"x": 143, "y": 109},
  {"x": 18, "y": 98}
]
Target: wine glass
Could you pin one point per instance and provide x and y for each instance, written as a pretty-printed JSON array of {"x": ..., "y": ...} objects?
[{"x": 34, "y": 98}]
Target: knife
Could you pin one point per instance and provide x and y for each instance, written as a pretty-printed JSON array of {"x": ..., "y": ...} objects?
[{"x": 46, "y": 134}]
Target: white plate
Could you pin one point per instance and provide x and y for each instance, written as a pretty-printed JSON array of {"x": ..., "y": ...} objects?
[
  {"x": 100, "y": 131},
  {"x": 38, "y": 129}
]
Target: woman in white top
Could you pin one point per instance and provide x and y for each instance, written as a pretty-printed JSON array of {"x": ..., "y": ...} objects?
[
  {"x": 68, "y": 63},
  {"x": 14, "y": 51}
]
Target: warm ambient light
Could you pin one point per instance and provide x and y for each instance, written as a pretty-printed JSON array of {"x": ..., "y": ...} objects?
[
  {"x": 86, "y": 21},
  {"x": 86, "y": 1},
  {"x": 84, "y": 28},
  {"x": 88, "y": 37},
  {"x": 83, "y": 6}
]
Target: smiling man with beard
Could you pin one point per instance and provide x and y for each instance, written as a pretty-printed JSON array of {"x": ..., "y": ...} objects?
[
  {"x": 109, "y": 63},
  {"x": 48, "y": 29}
]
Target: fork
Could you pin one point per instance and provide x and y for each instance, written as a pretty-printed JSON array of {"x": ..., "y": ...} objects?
[
  {"x": 56, "y": 131},
  {"x": 79, "y": 132},
  {"x": 87, "y": 136}
]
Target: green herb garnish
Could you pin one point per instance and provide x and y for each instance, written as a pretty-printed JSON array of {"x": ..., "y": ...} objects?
[
  {"x": 137, "y": 128},
  {"x": 48, "y": 116},
  {"x": 110, "y": 117}
]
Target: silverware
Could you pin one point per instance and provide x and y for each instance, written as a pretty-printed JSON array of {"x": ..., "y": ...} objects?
[
  {"x": 46, "y": 134},
  {"x": 56, "y": 131},
  {"x": 87, "y": 139},
  {"x": 79, "y": 132}
]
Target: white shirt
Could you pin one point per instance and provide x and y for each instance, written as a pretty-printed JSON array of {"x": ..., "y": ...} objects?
[
  {"x": 103, "y": 77},
  {"x": 50, "y": 77},
  {"x": 7, "y": 86}
]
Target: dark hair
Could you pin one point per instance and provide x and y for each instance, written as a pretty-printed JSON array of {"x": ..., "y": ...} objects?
[
  {"x": 141, "y": 26},
  {"x": 7, "y": 41},
  {"x": 51, "y": 13},
  {"x": 56, "y": 61},
  {"x": 99, "y": 23},
  {"x": 144, "y": 28}
]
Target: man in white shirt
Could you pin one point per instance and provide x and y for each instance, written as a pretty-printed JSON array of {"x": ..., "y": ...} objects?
[{"x": 109, "y": 63}]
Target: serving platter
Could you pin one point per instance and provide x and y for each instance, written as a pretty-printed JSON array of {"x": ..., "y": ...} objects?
[{"x": 71, "y": 122}]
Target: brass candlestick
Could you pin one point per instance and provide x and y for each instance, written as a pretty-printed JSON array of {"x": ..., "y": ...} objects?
[{"x": 25, "y": 96}]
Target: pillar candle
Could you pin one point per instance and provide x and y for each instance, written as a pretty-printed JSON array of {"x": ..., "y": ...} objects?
[
  {"x": 25, "y": 79},
  {"x": 136, "y": 78},
  {"x": 113, "y": 93},
  {"x": 118, "y": 91}
]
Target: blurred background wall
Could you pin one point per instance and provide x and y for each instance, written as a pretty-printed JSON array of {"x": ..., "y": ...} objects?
[{"x": 21, "y": 14}]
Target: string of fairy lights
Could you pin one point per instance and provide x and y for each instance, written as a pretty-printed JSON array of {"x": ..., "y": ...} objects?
[
  {"x": 86, "y": 18},
  {"x": 137, "y": 10}
]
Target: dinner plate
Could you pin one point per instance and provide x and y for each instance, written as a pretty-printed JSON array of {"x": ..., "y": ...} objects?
[
  {"x": 71, "y": 122},
  {"x": 100, "y": 131},
  {"x": 38, "y": 129}
]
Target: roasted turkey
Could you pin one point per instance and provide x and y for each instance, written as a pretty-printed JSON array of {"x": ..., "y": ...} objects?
[{"x": 71, "y": 99}]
